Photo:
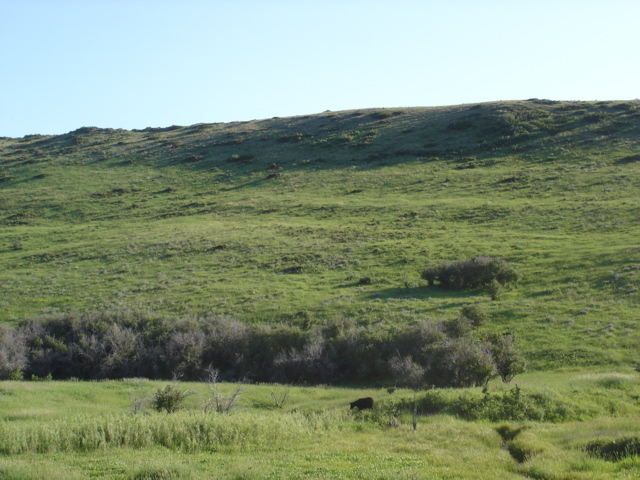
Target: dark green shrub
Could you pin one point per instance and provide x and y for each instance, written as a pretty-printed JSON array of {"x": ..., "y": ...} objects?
[
  {"x": 127, "y": 344},
  {"x": 511, "y": 405},
  {"x": 476, "y": 272},
  {"x": 475, "y": 313},
  {"x": 430, "y": 274},
  {"x": 170, "y": 398},
  {"x": 460, "y": 125},
  {"x": 432, "y": 402},
  {"x": 229, "y": 143},
  {"x": 240, "y": 158},
  {"x": 457, "y": 327},
  {"x": 382, "y": 114},
  {"x": 615, "y": 449},
  {"x": 494, "y": 289},
  {"x": 17, "y": 244}
]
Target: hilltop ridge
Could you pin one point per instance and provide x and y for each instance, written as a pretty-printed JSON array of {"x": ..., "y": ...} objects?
[{"x": 365, "y": 133}]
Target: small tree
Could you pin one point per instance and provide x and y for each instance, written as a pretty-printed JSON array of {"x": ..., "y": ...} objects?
[
  {"x": 411, "y": 375},
  {"x": 13, "y": 353},
  {"x": 406, "y": 372},
  {"x": 494, "y": 290},
  {"x": 461, "y": 362},
  {"x": 508, "y": 359},
  {"x": 217, "y": 402}
]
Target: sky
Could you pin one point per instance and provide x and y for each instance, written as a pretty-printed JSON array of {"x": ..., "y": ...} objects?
[{"x": 66, "y": 64}]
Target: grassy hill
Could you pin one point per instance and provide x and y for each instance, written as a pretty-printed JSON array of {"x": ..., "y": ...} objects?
[{"x": 297, "y": 220}]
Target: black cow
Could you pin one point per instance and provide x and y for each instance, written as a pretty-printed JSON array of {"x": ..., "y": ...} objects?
[{"x": 362, "y": 403}]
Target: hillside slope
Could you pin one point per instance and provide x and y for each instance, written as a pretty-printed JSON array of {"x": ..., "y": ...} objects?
[{"x": 301, "y": 219}]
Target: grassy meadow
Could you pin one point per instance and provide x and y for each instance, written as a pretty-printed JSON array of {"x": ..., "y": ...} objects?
[
  {"x": 300, "y": 220},
  {"x": 87, "y": 430},
  {"x": 282, "y": 219}
]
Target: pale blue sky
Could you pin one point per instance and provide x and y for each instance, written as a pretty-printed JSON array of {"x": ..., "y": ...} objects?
[{"x": 129, "y": 64}]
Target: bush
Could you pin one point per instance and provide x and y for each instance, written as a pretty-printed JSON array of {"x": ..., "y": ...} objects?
[
  {"x": 13, "y": 353},
  {"x": 494, "y": 289},
  {"x": 475, "y": 314},
  {"x": 476, "y": 272},
  {"x": 616, "y": 449},
  {"x": 430, "y": 274},
  {"x": 514, "y": 405},
  {"x": 17, "y": 244},
  {"x": 460, "y": 125},
  {"x": 128, "y": 344},
  {"x": 240, "y": 158},
  {"x": 382, "y": 114},
  {"x": 462, "y": 362},
  {"x": 406, "y": 372},
  {"x": 170, "y": 398}
]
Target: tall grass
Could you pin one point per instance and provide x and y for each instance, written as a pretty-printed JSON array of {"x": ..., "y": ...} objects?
[{"x": 184, "y": 431}]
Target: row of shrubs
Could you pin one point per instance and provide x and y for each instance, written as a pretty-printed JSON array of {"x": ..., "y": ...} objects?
[{"x": 125, "y": 344}]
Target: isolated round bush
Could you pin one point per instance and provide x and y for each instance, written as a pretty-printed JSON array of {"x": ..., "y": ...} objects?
[{"x": 475, "y": 272}]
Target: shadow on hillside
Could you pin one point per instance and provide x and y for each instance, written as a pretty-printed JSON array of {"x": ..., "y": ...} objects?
[{"x": 423, "y": 293}]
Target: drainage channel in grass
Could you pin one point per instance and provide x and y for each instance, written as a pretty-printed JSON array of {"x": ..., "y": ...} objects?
[{"x": 508, "y": 434}]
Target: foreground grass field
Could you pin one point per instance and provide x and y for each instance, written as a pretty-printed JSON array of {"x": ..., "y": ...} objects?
[{"x": 84, "y": 430}]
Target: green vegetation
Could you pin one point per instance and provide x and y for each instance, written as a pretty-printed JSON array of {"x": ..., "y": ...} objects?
[
  {"x": 312, "y": 247},
  {"x": 84, "y": 429},
  {"x": 474, "y": 273},
  {"x": 122, "y": 344},
  {"x": 119, "y": 220}
]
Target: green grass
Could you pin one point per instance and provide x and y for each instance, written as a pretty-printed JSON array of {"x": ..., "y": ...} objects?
[
  {"x": 122, "y": 219},
  {"x": 314, "y": 435},
  {"x": 185, "y": 221}
]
